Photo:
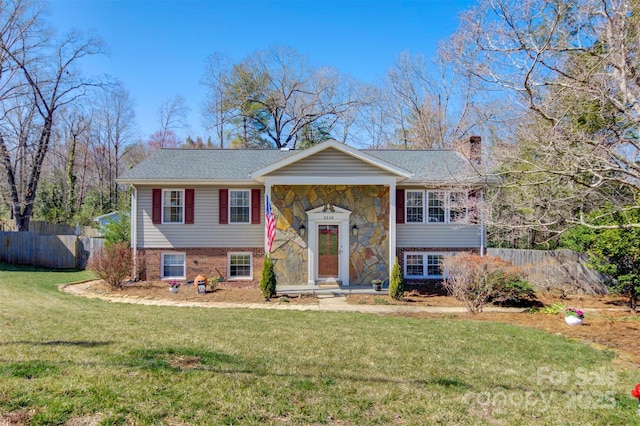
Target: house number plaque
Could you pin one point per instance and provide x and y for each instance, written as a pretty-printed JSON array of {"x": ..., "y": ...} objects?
[{"x": 328, "y": 218}]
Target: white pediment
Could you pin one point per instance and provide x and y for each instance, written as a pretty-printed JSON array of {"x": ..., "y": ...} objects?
[{"x": 328, "y": 212}]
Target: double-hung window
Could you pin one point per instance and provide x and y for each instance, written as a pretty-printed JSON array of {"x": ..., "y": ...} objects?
[
  {"x": 415, "y": 206},
  {"x": 423, "y": 265},
  {"x": 240, "y": 266},
  {"x": 239, "y": 206},
  {"x": 173, "y": 265},
  {"x": 435, "y": 207},
  {"x": 173, "y": 206},
  {"x": 458, "y": 207},
  {"x": 414, "y": 266}
]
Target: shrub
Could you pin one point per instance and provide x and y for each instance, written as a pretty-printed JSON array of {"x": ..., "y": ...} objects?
[
  {"x": 553, "y": 309},
  {"x": 112, "y": 264},
  {"x": 509, "y": 288},
  {"x": 117, "y": 231},
  {"x": 396, "y": 283},
  {"x": 476, "y": 280},
  {"x": 268, "y": 279}
]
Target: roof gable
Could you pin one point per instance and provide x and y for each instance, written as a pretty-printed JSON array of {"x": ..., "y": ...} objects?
[{"x": 331, "y": 158}]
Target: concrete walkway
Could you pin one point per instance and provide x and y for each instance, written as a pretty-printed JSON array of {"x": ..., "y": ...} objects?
[{"x": 330, "y": 300}]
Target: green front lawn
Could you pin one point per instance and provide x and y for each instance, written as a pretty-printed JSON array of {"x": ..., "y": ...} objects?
[{"x": 64, "y": 357}]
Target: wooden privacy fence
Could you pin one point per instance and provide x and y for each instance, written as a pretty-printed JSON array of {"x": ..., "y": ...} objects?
[
  {"x": 46, "y": 228},
  {"x": 555, "y": 269},
  {"x": 49, "y": 251}
]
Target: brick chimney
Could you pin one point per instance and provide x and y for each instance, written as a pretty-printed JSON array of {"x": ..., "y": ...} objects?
[{"x": 475, "y": 149}]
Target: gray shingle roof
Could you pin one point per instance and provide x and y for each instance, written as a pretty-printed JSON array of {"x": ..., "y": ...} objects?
[
  {"x": 430, "y": 166},
  {"x": 237, "y": 165},
  {"x": 208, "y": 164}
]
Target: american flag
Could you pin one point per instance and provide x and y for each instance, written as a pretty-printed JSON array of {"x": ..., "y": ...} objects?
[{"x": 270, "y": 223}]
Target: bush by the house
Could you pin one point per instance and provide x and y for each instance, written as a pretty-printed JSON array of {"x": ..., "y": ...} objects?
[
  {"x": 112, "y": 264},
  {"x": 396, "y": 284},
  {"x": 117, "y": 231},
  {"x": 268, "y": 279},
  {"x": 477, "y": 280},
  {"x": 509, "y": 288}
]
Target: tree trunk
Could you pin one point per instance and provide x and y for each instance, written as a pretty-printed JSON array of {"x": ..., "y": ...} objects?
[{"x": 71, "y": 179}]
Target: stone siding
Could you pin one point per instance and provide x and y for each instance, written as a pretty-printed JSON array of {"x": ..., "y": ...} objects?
[{"x": 369, "y": 251}]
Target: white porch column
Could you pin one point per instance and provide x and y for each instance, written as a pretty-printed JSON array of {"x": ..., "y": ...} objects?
[
  {"x": 267, "y": 191},
  {"x": 392, "y": 225}
]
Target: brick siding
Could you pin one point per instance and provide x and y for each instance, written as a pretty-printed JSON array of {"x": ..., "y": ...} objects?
[
  {"x": 434, "y": 285},
  {"x": 202, "y": 261}
]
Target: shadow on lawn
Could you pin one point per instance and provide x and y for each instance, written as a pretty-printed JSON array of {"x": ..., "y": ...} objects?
[
  {"x": 180, "y": 360},
  {"x": 78, "y": 343}
]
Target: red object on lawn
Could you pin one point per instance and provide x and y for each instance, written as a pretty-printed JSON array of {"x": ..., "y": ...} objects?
[{"x": 636, "y": 392}]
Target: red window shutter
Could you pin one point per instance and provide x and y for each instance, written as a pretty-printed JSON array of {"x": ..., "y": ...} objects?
[
  {"x": 189, "y": 201},
  {"x": 399, "y": 205},
  {"x": 255, "y": 206},
  {"x": 156, "y": 206},
  {"x": 223, "y": 206}
]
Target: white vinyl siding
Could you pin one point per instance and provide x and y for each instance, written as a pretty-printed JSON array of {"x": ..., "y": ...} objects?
[
  {"x": 240, "y": 266},
  {"x": 205, "y": 232},
  {"x": 329, "y": 163},
  {"x": 449, "y": 235},
  {"x": 173, "y": 265},
  {"x": 423, "y": 265}
]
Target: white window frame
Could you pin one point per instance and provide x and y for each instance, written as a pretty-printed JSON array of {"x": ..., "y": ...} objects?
[
  {"x": 445, "y": 199},
  {"x": 182, "y": 205},
  {"x": 464, "y": 207},
  {"x": 425, "y": 264},
  {"x": 239, "y": 277},
  {"x": 407, "y": 206},
  {"x": 162, "y": 265},
  {"x": 448, "y": 207},
  {"x": 248, "y": 191},
  {"x": 406, "y": 264}
]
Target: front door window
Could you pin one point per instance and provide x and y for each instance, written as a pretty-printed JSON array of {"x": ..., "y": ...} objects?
[{"x": 328, "y": 251}]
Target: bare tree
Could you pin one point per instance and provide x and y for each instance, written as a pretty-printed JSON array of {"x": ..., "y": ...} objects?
[
  {"x": 172, "y": 116},
  {"x": 76, "y": 130},
  {"x": 574, "y": 65},
  {"x": 113, "y": 130},
  {"x": 38, "y": 76},
  {"x": 275, "y": 96},
  {"x": 430, "y": 105},
  {"x": 216, "y": 111}
]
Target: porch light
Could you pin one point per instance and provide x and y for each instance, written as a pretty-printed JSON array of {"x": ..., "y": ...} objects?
[
  {"x": 302, "y": 230},
  {"x": 354, "y": 230}
]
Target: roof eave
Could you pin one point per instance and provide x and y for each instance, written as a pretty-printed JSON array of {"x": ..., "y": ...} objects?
[{"x": 185, "y": 182}]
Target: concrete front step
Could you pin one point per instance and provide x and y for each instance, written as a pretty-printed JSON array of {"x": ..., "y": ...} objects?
[{"x": 316, "y": 289}]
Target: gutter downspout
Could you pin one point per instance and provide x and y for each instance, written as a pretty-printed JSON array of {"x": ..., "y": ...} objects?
[
  {"x": 134, "y": 230},
  {"x": 482, "y": 228}
]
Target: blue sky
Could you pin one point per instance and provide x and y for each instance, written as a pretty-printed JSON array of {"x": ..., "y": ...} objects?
[{"x": 158, "y": 48}]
